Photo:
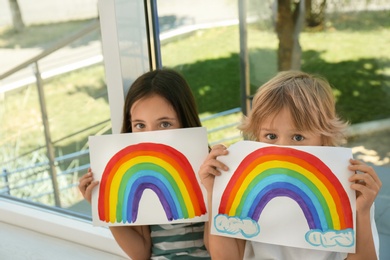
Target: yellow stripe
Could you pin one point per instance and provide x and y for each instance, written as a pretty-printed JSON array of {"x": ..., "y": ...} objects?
[
  {"x": 283, "y": 164},
  {"x": 113, "y": 199}
]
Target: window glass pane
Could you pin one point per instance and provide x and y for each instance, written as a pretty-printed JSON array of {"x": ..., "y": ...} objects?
[
  {"x": 344, "y": 41},
  {"x": 200, "y": 38},
  {"x": 348, "y": 45},
  {"x": 74, "y": 101},
  {"x": 262, "y": 41}
]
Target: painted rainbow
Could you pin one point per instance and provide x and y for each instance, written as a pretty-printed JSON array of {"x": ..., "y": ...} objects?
[
  {"x": 272, "y": 172},
  {"x": 157, "y": 167}
]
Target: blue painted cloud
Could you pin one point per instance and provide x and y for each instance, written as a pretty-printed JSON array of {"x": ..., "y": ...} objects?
[
  {"x": 234, "y": 225},
  {"x": 331, "y": 238}
]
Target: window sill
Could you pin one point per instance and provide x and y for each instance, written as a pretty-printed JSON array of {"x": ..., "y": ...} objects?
[{"x": 28, "y": 230}]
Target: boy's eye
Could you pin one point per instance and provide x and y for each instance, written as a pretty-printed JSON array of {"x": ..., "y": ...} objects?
[
  {"x": 298, "y": 138},
  {"x": 271, "y": 136}
]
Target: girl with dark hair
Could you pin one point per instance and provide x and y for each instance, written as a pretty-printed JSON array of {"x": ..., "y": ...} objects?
[{"x": 157, "y": 100}]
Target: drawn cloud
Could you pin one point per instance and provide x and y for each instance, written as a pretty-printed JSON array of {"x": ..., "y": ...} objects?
[
  {"x": 331, "y": 238},
  {"x": 234, "y": 225}
]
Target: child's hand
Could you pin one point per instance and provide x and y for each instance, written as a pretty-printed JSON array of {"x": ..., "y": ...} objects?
[
  {"x": 211, "y": 166},
  {"x": 366, "y": 183},
  {"x": 86, "y": 185}
]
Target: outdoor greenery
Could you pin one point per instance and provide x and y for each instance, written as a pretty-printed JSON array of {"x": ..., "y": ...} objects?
[
  {"x": 351, "y": 52},
  {"x": 354, "y": 58}
]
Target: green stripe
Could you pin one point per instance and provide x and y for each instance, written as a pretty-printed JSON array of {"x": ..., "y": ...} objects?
[
  {"x": 187, "y": 237},
  {"x": 184, "y": 237}
]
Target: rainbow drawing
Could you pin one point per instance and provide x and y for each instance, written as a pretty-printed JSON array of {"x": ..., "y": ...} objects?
[
  {"x": 271, "y": 172},
  {"x": 154, "y": 166}
]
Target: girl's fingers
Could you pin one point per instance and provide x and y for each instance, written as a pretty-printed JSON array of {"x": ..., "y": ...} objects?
[
  {"x": 86, "y": 185},
  {"x": 90, "y": 187},
  {"x": 87, "y": 194},
  {"x": 212, "y": 166},
  {"x": 212, "y": 170},
  {"x": 84, "y": 182},
  {"x": 215, "y": 164},
  {"x": 217, "y": 150},
  {"x": 209, "y": 168}
]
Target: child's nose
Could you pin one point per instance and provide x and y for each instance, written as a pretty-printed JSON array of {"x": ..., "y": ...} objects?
[
  {"x": 283, "y": 141},
  {"x": 152, "y": 128}
]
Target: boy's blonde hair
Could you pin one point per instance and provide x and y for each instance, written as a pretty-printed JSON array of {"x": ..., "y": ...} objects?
[{"x": 309, "y": 99}]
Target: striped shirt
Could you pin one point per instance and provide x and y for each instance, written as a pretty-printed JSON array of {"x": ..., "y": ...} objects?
[{"x": 178, "y": 241}]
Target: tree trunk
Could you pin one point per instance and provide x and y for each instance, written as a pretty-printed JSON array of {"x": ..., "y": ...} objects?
[
  {"x": 17, "y": 19},
  {"x": 284, "y": 30},
  {"x": 288, "y": 27}
]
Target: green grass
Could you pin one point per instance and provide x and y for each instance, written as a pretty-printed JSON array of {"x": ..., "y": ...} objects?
[{"x": 357, "y": 64}]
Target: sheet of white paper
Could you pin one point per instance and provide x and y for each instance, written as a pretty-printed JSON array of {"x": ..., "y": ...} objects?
[
  {"x": 280, "y": 195},
  {"x": 148, "y": 178}
]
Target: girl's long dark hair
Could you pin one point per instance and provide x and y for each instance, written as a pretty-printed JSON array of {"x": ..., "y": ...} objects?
[{"x": 168, "y": 84}]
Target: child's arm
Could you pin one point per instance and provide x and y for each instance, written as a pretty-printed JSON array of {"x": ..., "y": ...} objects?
[
  {"x": 135, "y": 241},
  {"x": 219, "y": 247},
  {"x": 367, "y": 185}
]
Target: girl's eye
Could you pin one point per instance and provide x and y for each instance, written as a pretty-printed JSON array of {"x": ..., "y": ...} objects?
[
  {"x": 165, "y": 125},
  {"x": 271, "y": 136},
  {"x": 139, "y": 126},
  {"x": 298, "y": 138}
]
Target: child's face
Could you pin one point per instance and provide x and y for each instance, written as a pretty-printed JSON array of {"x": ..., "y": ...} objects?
[
  {"x": 280, "y": 130},
  {"x": 153, "y": 113}
]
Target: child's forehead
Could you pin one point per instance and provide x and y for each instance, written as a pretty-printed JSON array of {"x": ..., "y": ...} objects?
[
  {"x": 283, "y": 117},
  {"x": 271, "y": 114}
]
